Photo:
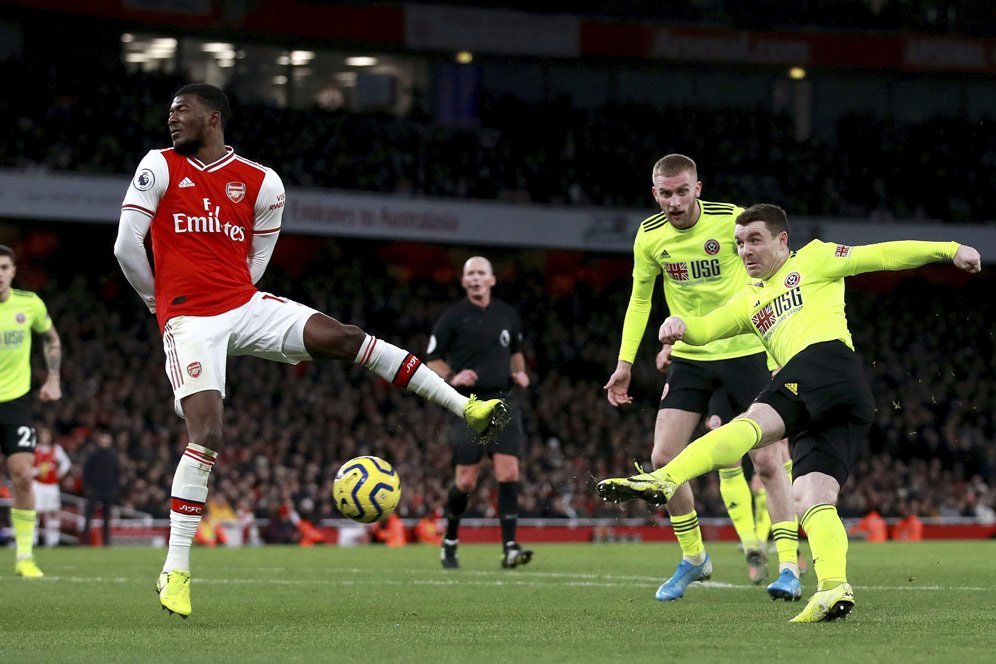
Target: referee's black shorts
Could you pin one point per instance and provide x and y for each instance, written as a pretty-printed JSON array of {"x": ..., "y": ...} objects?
[
  {"x": 17, "y": 428},
  {"x": 467, "y": 451},
  {"x": 822, "y": 395},
  {"x": 718, "y": 388}
]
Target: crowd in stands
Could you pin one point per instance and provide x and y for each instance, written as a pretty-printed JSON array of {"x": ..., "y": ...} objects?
[
  {"x": 930, "y": 347},
  {"x": 874, "y": 167}
]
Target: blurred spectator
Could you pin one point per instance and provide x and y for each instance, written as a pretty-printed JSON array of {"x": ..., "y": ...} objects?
[
  {"x": 389, "y": 531},
  {"x": 101, "y": 485},
  {"x": 871, "y": 528}
]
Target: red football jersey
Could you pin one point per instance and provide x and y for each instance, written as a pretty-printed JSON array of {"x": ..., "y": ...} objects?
[
  {"x": 204, "y": 217},
  {"x": 47, "y": 462}
]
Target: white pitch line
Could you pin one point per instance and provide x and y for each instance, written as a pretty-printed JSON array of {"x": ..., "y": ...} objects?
[{"x": 582, "y": 581}]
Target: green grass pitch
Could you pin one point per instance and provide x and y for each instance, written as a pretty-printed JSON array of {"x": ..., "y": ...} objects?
[{"x": 926, "y": 602}]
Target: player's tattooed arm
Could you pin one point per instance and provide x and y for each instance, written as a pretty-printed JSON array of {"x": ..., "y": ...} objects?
[{"x": 51, "y": 390}]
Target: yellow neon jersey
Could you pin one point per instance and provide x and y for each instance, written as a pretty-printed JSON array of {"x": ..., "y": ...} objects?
[
  {"x": 803, "y": 303},
  {"x": 701, "y": 271},
  {"x": 22, "y": 314}
]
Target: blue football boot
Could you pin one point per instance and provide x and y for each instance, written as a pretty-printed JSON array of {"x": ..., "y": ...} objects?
[
  {"x": 685, "y": 574},
  {"x": 786, "y": 587}
]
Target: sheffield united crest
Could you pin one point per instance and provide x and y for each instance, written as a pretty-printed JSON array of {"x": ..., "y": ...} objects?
[
  {"x": 792, "y": 280},
  {"x": 712, "y": 247},
  {"x": 236, "y": 191}
]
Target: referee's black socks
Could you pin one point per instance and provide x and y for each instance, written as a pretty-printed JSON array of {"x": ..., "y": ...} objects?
[
  {"x": 508, "y": 510},
  {"x": 456, "y": 505}
]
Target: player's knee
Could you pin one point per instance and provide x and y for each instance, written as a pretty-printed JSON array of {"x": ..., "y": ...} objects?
[
  {"x": 209, "y": 437},
  {"x": 659, "y": 457},
  {"x": 22, "y": 479},
  {"x": 333, "y": 340},
  {"x": 465, "y": 485}
]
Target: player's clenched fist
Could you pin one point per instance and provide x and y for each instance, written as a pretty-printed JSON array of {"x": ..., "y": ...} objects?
[
  {"x": 672, "y": 330},
  {"x": 968, "y": 259}
]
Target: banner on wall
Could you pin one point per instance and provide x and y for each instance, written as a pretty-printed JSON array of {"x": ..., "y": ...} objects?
[{"x": 50, "y": 197}]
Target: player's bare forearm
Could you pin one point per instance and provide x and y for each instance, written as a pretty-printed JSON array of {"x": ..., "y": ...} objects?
[
  {"x": 51, "y": 390},
  {"x": 52, "y": 346}
]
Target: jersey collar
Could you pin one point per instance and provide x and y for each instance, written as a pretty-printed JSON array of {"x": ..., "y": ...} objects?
[{"x": 215, "y": 165}]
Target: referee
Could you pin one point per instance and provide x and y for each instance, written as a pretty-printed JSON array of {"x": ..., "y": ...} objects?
[
  {"x": 476, "y": 346},
  {"x": 22, "y": 313}
]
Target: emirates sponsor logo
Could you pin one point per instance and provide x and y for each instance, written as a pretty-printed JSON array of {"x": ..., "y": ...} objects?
[
  {"x": 208, "y": 223},
  {"x": 194, "y": 369},
  {"x": 236, "y": 191}
]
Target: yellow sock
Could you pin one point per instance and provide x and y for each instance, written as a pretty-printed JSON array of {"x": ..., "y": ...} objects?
[
  {"x": 736, "y": 496},
  {"x": 719, "y": 448},
  {"x": 788, "y": 469},
  {"x": 828, "y": 542},
  {"x": 686, "y": 529},
  {"x": 24, "y": 531},
  {"x": 762, "y": 520},
  {"x": 786, "y": 534}
]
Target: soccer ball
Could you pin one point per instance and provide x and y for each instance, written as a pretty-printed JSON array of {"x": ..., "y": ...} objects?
[{"x": 366, "y": 489}]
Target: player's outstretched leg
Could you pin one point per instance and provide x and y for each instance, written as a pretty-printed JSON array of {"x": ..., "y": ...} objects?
[
  {"x": 684, "y": 575},
  {"x": 174, "y": 592}
]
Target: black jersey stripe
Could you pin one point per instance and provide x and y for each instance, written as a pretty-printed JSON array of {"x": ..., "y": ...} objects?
[
  {"x": 709, "y": 204},
  {"x": 653, "y": 227},
  {"x": 654, "y": 220}
]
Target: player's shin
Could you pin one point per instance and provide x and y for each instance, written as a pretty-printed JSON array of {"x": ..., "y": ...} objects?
[
  {"x": 762, "y": 520},
  {"x": 736, "y": 495},
  {"x": 403, "y": 369},
  {"x": 686, "y": 529},
  {"x": 24, "y": 532},
  {"x": 828, "y": 542},
  {"x": 719, "y": 448},
  {"x": 786, "y": 535},
  {"x": 189, "y": 493}
]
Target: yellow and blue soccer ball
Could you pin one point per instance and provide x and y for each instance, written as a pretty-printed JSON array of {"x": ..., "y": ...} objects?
[{"x": 366, "y": 489}]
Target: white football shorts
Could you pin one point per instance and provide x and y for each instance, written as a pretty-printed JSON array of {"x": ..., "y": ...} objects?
[
  {"x": 47, "y": 497},
  {"x": 197, "y": 347}
]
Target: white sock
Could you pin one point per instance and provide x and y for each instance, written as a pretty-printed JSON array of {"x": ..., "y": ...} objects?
[
  {"x": 190, "y": 489},
  {"x": 52, "y": 528},
  {"x": 398, "y": 366}
]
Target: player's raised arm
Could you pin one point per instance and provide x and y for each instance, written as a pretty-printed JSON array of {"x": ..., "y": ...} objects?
[
  {"x": 846, "y": 261},
  {"x": 721, "y": 323}
]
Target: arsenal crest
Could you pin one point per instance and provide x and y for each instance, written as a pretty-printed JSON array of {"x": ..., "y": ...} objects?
[
  {"x": 712, "y": 247},
  {"x": 236, "y": 191},
  {"x": 194, "y": 369},
  {"x": 792, "y": 280}
]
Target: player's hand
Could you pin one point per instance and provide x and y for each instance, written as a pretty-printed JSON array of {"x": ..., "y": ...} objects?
[
  {"x": 663, "y": 360},
  {"x": 617, "y": 389},
  {"x": 968, "y": 259},
  {"x": 50, "y": 391},
  {"x": 521, "y": 378},
  {"x": 672, "y": 330},
  {"x": 465, "y": 378}
]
